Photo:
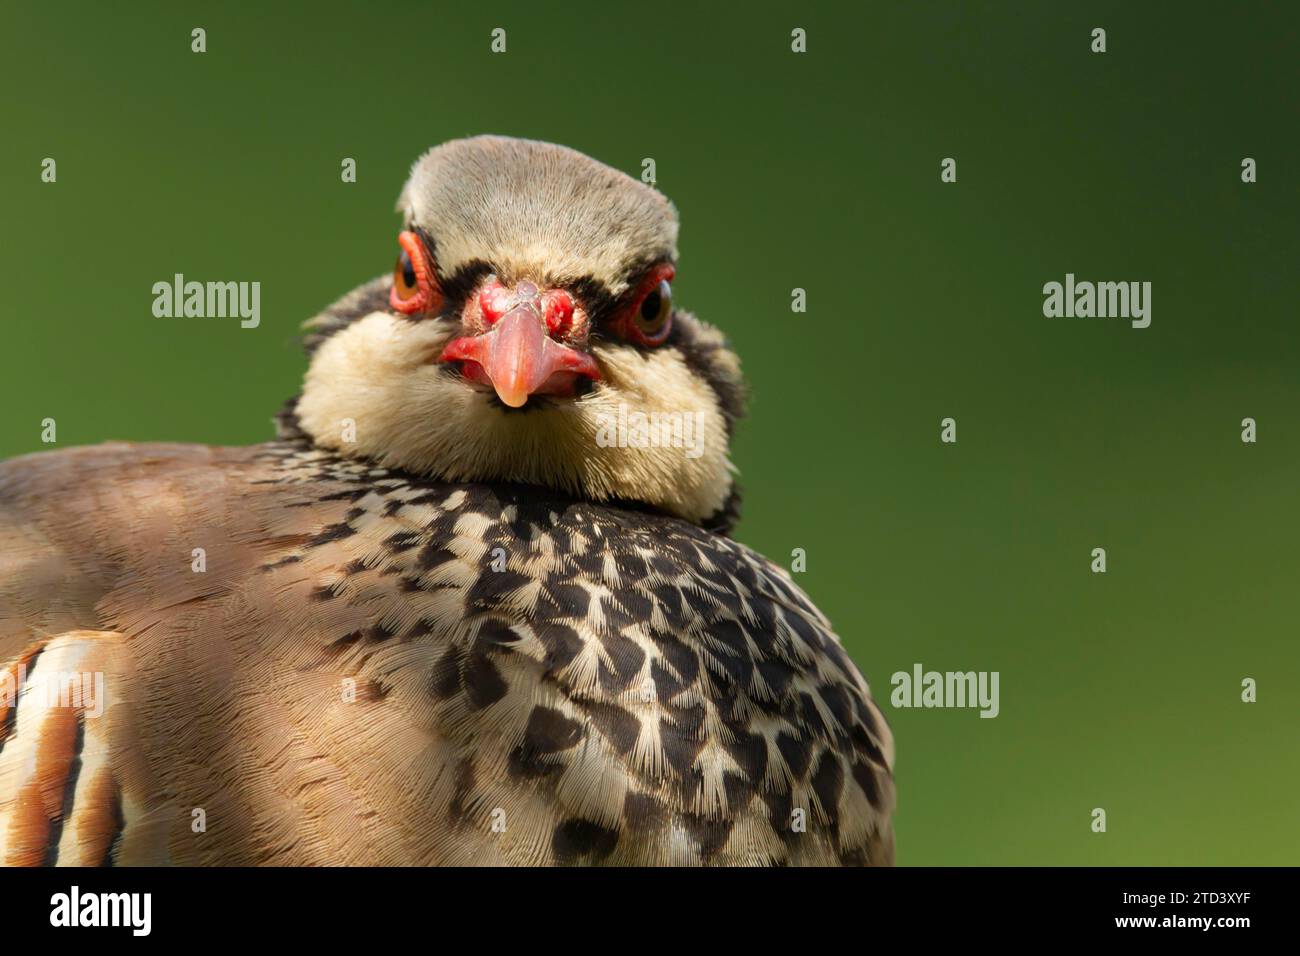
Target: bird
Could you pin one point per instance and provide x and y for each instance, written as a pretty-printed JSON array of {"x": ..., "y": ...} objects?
[{"x": 454, "y": 613}]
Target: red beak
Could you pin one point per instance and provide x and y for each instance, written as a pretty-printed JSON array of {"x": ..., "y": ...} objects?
[{"x": 518, "y": 358}]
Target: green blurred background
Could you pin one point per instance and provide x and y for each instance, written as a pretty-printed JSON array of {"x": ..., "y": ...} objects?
[{"x": 821, "y": 171}]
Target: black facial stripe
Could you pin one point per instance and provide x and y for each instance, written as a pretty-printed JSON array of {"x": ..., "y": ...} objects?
[
  {"x": 591, "y": 293},
  {"x": 457, "y": 287},
  {"x": 698, "y": 354},
  {"x": 595, "y": 297}
]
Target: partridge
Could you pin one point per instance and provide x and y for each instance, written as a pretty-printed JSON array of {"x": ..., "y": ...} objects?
[{"x": 476, "y": 604}]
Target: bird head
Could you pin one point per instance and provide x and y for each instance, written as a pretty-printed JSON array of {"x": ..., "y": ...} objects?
[{"x": 528, "y": 334}]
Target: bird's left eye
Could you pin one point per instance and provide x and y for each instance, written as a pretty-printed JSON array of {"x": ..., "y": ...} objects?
[
  {"x": 652, "y": 316},
  {"x": 656, "y": 308}
]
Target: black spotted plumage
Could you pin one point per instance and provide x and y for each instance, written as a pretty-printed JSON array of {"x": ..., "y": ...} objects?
[{"x": 715, "y": 691}]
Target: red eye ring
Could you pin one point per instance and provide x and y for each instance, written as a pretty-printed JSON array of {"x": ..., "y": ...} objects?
[
  {"x": 422, "y": 296},
  {"x": 656, "y": 281}
]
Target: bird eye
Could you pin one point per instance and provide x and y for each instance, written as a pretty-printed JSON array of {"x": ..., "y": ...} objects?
[
  {"x": 404, "y": 278},
  {"x": 652, "y": 318},
  {"x": 415, "y": 287}
]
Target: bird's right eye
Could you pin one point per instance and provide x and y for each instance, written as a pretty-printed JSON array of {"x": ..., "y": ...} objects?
[
  {"x": 415, "y": 286},
  {"x": 405, "y": 282}
]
